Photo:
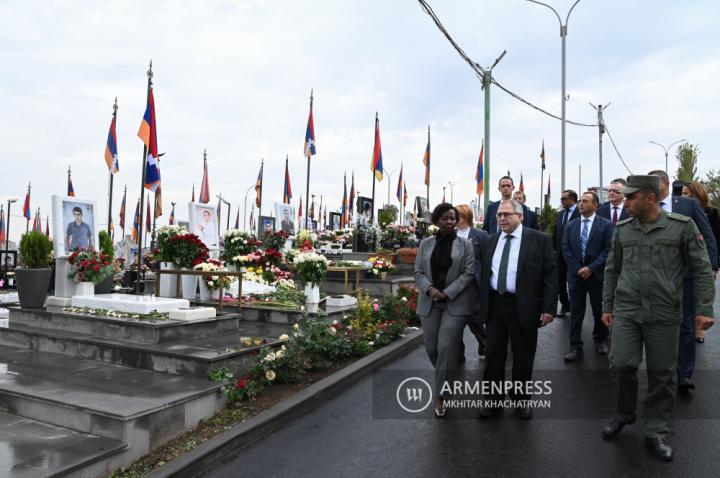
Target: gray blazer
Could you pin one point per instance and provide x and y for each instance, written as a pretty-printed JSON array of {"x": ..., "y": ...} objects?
[{"x": 460, "y": 277}]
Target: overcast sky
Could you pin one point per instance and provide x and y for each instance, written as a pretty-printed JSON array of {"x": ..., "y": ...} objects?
[{"x": 235, "y": 77}]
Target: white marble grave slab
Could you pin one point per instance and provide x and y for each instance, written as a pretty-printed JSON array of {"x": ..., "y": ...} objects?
[
  {"x": 340, "y": 301},
  {"x": 193, "y": 313},
  {"x": 55, "y": 301},
  {"x": 136, "y": 304}
]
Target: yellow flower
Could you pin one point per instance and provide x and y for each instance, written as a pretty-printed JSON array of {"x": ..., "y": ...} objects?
[
  {"x": 283, "y": 337},
  {"x": 270, "y": 375}
]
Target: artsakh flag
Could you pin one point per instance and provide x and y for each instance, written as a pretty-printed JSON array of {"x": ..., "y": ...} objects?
[
  {"x": 399, "y": 192},
  {"x": 376, "y": 165},
  {"x": 122, "y": 211},
  {"x": 480, "y": 183},
  {"x": 148, "y": 134},
  {"x": 136, "y": 223},
  {"x": 310, "y": 133},
  {"x": 426, "y": 160},
  {"x": 111, "y": 154},
  {"x": 287, "y": 189},
  {"x": 26, "y": 207},
  {"x": 205, "y": 185},
  {"x": 3, "y": 232}
]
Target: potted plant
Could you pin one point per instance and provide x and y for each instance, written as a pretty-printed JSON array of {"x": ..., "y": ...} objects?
[
  {"x": 210, "y": 284},
  {"x": 380, "y": 267},
  {"x": 89, "y": 268},
  {"x": 188, "y": 251},
  {"x": 33, "y": 277},
  {"x": 312, "y": 269},
  {"x": 236, "y": 244},
  {"x": 106, "y": 247},
  {"x": 407, "y": 255}
]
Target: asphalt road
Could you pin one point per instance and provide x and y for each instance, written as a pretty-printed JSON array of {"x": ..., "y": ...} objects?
[{"x": 351, "y": 436}]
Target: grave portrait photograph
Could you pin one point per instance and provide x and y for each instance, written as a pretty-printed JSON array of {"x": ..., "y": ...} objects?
[
  {"x": 204, "y": 224},
  {"x": 422, "y": 208},
  {"x": 364, "y": 207},
  {"x": 286, "y": 215},
  {"x": 74, "y": 225},
  {"x": 335, "y": 221},
  {"x": 266, "y": 225}
]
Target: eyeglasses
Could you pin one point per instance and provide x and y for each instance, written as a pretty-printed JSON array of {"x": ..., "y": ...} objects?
[
  {"x": 505, "y": 214},
  {"x": 616, "y": 191}
]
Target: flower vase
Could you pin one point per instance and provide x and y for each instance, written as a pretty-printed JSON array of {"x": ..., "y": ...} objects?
[
  {"x": 85, "y": 288},
  {"x": 312, "y": 294},
  {"x": 383, "y": 275},
  {"x": 189, "y": 285},
  {"x": 206, "y": 293},
  {"x": 168, "y": 282}
]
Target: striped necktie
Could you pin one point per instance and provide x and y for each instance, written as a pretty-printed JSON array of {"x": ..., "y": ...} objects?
[{"x": 584, "y": 237}]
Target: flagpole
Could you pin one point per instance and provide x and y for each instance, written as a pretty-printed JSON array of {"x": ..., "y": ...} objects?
[
  {"x": 372, "y": 209},
  {"x": 155, "y": 205},
  {"x": 142, "y": 187},
  {"x": 110, "y": 193},
  {"x": 307, "y": 184},
  {"x": 262, "y": 180},
  {"x": 124, "y": 212},
  {"x": 427, "y": 186},
  {"x": 542, "y": 174}
]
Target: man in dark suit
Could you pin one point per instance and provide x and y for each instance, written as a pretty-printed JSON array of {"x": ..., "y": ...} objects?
[
  {"x": 506, "y": 188},
  {"x": 585, "y": 248},
  {"x": 518, "y": 295},
  {"x": 530, "y": 219},
  {"x": 568, "y": 199},
  {"x": 686, "y": 343},
  {"x": 614, "y": 210}
]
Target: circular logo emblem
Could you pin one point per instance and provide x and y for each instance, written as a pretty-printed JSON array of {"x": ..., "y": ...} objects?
[{"x": 414, "y": 395}]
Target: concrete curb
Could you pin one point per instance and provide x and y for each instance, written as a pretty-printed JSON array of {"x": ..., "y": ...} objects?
[{"x": 245, "y": 434}]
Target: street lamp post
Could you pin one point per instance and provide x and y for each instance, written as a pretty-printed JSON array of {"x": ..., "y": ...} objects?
[
  {"x": 451, "y": 184},
  {"x": 226, "y": 202},
  {"x": 390, "y": 181},
  {"x": 245, "y": 207},
  {"x": 7, "y": 240},
  {"x": 666, "y": 150},
  {"x": 563, "y": 99}
]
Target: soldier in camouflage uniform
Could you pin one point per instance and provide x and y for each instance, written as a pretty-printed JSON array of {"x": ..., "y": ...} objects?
[{"x": 642, "y": 299}]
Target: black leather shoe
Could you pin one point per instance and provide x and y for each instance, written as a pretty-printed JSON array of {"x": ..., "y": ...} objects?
[
  {"x": 602, "y": 348},
  {"x": 481, "y": 353},
  {"x": 685, "y": 385},
  {"x": 613, "y": 427},
  {"x": 524, "y": 413},
  {"x": 574, "y": 355},
  {"x": 660, "y": 449},
  {"x": 488, "y": 412}
]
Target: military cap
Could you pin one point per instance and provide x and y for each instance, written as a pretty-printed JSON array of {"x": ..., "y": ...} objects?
[{"x": 638, "y": 182}]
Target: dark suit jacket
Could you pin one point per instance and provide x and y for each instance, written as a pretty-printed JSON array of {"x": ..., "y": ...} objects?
[
  {"x": 536, "y": 282},
  {"x": 558, "y": 231},
  {"x": 596, "y": 249},
  {"x": 606, "y": 211},
  {"x": 714, "y": 220},
  {"x": 691, "y": 208},
  {"x": 478, "y": 237},
  {"x": 490, "y": 223}
]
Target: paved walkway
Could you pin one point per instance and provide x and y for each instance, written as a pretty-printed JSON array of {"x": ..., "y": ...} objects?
[{"x": 347, "y": 436}]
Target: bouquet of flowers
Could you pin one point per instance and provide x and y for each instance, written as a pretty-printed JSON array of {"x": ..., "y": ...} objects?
[
  {"x": 249, "y": 260},
  {"x": 275, "y": 240},
  {"x": 213, "y": 265},
  {"x": 398, "y": 234},
  {"x": 238, "y": 243},
  {"x": 188, "y": 250},
  {"x": 165, "y": 252},
  {"x": 431, "y": 230},
  {"x": 305, "y": 240},
  {"x": 89, "y": 266},
  {"x": 380, "y": 265},
  {"x": 312, "y": 267}
]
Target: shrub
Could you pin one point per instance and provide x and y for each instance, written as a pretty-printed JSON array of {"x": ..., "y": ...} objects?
[
  {"x": 35, "y": 249},
  {"x": 106, "y": 245}
]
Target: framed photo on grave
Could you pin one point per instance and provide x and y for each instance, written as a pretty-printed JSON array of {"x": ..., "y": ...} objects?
[
  {"x": 265, "y": 224},
  {"x": 204, "y": 224},
  {"x": 286, "y": 215},
  {"x": 364, "y": 209},
  {"x": 74, "y": 224},
  {"x": 423, "y": 213}
]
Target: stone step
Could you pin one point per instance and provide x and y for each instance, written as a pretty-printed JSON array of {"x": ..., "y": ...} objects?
[
  {"x": 33, "y": 449},
  {"x": 139, "y": 407},
  {"x": 374, "y": 287},
  {"x": 193, "y": 356},
  {"x": 130, "y": 330}
]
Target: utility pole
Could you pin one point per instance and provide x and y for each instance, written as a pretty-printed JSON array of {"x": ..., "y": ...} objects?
[
  {"x": 666, "y": 150},
  {"x": 579, "y": 178},
  {"x": 451, "y": 184},
  {"x": 601, "y": 130},
  {"x": 486, "y": 81}
]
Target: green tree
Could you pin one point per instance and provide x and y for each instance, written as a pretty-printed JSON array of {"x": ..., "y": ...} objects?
[
  {"x": 712, "y": 184},
  {"x": 687, "y": 154}
]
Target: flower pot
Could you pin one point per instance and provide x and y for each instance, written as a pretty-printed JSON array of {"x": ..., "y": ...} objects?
[
  {"x": 85, "y": 288},
  {"x": 312, "y": 294},
  {"x": 105, "y": 287},
  {"x": 407, "y": 255},
  {"x": 383, "y": 275},
  {"x": 206, "y": 293},
  {"x": 189, "y": 285},
  {"x": 33, "y": 286},
  {"x": 168, "y": 282}
]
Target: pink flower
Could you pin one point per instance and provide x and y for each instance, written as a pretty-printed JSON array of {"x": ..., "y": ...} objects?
[{"x": 376, "y": 307}]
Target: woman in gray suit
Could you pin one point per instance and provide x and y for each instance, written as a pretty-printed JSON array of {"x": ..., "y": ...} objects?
[{"x": 444, "y": 277}]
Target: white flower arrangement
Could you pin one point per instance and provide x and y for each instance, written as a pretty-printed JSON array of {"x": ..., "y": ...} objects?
[
  {"x": 283, "y": 338},
  {"x": 270, "y": 375},
  {"x": 212, "y": 281}
]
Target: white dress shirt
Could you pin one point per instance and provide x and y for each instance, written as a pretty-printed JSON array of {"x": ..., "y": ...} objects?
[
  {"x": 619, "y": 208},
  {"x": 590, "y": 224},
  {"x": 464, "y": 233},
  {"x": 668, "y": 203},
  {"x": 512, "y": 260}
]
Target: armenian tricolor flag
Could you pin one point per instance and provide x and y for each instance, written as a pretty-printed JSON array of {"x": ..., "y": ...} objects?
[
  {"x": 376, "y": 165},
  {"x": 136, "y": 222},
  {"x": 122, "y": 211},
  {"x": 405, "y": 195},
  {"x": 26, "y": 206},
  {"x": 70, "y": 188},
  {"x": 111, "y": 154},
  {"x": 399, "y": 192},
  {"x": 426, "y": 160},
  {"x": 479, "y": 172},
  {"x": 287, "y": 189},
  {"x": 148, "y": 134}
]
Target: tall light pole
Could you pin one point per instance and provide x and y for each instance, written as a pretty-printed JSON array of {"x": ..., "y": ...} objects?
[
  {"x": 451, "y": 184},
  {"x": 226, "y": 202},
  {"x": 390, "y": 181},
  {"x": 563, "y": 98},
  {"x": 486, "y": 81},
  {"x": 666, "y": 151},
  {"x": 7, "y": 241},
  {"x": 245, "y": 207}
]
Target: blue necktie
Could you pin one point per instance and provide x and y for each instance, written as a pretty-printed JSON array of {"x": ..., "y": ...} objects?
[{"x": 584, "y": 237}]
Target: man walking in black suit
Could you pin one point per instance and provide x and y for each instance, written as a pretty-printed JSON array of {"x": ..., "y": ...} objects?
[
  {"x": 686, "y": 343},
  {"x": 586, "y": 244},
  {"x": 506, "y": 186},
  {"x": 518, "y": 295},
  {"x": 569, "y": 212},
  {"x": 614, "y": 210}
]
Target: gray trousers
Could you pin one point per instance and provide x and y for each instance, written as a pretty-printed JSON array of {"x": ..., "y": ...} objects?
[{"x": 442, "y": 332}]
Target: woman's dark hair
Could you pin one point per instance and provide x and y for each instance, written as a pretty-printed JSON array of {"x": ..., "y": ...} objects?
[{"x": 441, "y": 209}]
